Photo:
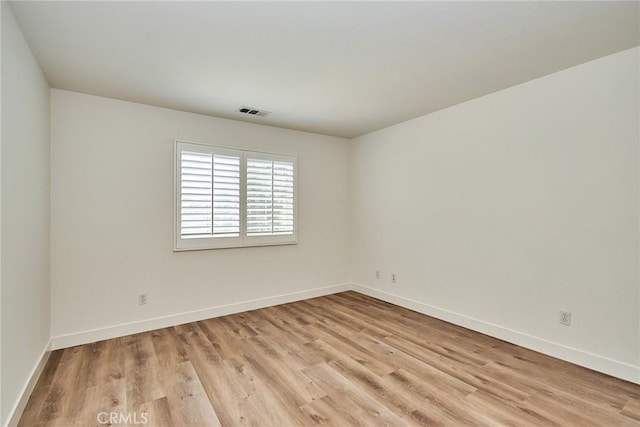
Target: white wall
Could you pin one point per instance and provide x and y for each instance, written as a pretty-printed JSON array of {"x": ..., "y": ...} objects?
[
  {"x": 25, "y": 214},
  {"x": 112, "y": 206},
  {"x": 499, "y": 212}
]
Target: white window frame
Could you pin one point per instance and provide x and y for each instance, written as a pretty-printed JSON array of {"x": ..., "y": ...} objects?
[{"x": 223, "y": 242}]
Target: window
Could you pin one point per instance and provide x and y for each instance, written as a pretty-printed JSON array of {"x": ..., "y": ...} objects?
[{"x": 228, "y": 198}]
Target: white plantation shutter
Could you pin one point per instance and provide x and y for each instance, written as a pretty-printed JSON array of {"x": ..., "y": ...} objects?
[
  {"x": 229, "y": 198},
  {"x": 196, "y": 199},
  {"x": 208, "y": 187},
  {"x": 283, "y": 198},
  {"x": 226, "y": 195},
  {"x": 270, "y": 197},
  {"x": 259, "y": 197}
]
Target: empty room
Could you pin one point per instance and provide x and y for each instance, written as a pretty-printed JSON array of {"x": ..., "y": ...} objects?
[{"x": 336, "y": 213}]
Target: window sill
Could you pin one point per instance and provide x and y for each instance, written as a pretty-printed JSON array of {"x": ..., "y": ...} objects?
[{"x": 251, "y": 245}]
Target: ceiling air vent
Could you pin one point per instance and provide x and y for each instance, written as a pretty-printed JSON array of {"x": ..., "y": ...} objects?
[{"x": 253, "y": 111}]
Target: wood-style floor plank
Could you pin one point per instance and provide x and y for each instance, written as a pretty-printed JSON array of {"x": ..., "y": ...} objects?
[{"x": 340, "y": 360}]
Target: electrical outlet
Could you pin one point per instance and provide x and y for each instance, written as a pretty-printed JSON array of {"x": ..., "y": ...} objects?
[
  {"x": 377, "y": 274},
  {"x": 565, "y": 318},
  {"x": 142, "y": 299},
  {"x": 394, "y": 278}
]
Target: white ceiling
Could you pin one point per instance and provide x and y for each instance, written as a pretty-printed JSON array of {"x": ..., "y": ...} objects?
[{"x": 337, "y": 68}]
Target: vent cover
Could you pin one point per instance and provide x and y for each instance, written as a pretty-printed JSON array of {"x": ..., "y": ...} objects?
[{"x": 253, "y": 111}]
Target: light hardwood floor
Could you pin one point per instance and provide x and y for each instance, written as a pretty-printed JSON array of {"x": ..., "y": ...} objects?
[{"x": 344, "y": 359}]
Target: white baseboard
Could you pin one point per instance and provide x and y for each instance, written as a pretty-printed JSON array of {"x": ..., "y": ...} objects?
[
  {"x": 94, "y": 335},
  {"x": 583, "y": 358},
  {"x": 25, "y": 393}
]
